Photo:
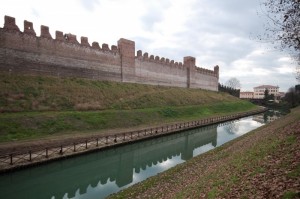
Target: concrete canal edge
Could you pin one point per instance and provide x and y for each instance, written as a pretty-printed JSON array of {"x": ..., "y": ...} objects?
[{"x": 19, "y": 160}]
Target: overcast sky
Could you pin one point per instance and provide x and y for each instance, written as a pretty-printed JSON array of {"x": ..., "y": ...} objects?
[{"x": 216, "y": 32}]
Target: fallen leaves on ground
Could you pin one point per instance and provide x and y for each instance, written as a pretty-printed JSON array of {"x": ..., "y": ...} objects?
[{"x": 262, "y": 164}]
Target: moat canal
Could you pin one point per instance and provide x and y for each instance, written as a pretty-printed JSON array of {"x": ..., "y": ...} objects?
[{"x": 100, "y": 174}]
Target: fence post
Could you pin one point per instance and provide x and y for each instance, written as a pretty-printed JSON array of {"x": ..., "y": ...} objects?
[
  {"x": 30, "y": 155},
  {"x": 85, "y": 144},
  {"x": 11, "y": 159},
  {"x": 97, "y": 142},
  {"x": 61, "y": 150},
  {"x": 46, "y": 152}
]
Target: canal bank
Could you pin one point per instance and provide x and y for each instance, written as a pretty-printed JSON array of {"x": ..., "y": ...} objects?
[
  {"x": 96, "y": 175},
  {"x": 264, "y": 163},
  {"x": 15, "y": 157}
]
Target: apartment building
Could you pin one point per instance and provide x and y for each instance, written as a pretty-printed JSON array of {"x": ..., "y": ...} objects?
[{"x": 259, "y": 92}]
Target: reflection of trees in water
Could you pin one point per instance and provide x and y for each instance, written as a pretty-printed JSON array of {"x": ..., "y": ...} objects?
[
  {"x": 271, "y": 115},
  {"x": 231, "y": 127},
  {"x": 268, "y": 116}
]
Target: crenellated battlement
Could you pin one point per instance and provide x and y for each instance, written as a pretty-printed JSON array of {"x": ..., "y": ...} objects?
[
  {"x": 205, "y": 71},
  {"x": 68, "y": 56},
  {"x": 157, "y": 59},
  {"x": 10, "y": 26},
  {"x": 45, "y": 32},
  {"x": 28, "y": 28},
  {"x": 165, "y": 61}
]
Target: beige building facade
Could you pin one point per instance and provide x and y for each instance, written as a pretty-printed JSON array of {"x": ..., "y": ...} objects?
[
  {"x": 259, "y": 92},
  {"x": 246, "y": 95}
]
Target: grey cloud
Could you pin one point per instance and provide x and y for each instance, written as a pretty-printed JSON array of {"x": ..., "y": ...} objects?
[
  {"x": 154, "y": 13},
  {"x": 224, "y": 47},
  {"x": 222, "y": 32},
  {"x": 227, "y": 16},
  {"x": 89, "y": 4},
  {"x": 35, "y": 12},
  {"x": 141, "y": 43},
  {"x": 151, "y": 18}
]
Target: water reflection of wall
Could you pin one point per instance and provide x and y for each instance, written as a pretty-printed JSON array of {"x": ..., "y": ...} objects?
[{"x": 58, "y": 178}]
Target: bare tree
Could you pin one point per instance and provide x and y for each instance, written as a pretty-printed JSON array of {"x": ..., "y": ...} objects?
[
  {"x": 283, "y": 25},
  {"x": 233, "y": 83}
]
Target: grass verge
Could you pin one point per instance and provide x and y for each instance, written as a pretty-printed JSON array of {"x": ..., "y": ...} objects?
[{"x": 34, "y": 125}]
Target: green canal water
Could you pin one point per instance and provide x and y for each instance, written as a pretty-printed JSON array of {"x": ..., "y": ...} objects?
[{"x": 102, "y": 173}]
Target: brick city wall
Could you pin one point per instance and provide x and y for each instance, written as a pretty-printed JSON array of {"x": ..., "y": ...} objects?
[{"x": 63, "y": 56}]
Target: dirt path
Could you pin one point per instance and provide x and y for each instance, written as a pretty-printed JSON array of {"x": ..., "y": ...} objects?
[
  {"x": 19, "y": 146},
  {"x": 261, "y": 164}
]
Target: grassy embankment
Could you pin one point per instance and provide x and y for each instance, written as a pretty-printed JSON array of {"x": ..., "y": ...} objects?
[
  {"x": 264, "y": 163},
  {"x": 35, "y": 107}
]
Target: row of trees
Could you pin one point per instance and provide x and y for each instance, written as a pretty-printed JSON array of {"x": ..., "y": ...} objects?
[
  {"x": 290, "y": 100},
  {"x": 230, "y": 90},
  {"x": 232, "y": 86},
  {"x": 292, "y": 97},
  {"x": 268, "y": 97}
]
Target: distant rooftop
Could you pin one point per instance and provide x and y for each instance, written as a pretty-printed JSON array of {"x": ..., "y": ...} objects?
[
  {"x": 247, "y": 92},
  {"x": 267, "y": 86}
]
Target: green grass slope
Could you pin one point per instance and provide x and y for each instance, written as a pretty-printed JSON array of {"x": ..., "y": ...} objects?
[
  {"x": 33, "y": 93},
  {"x": 35, "y": 107}
]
